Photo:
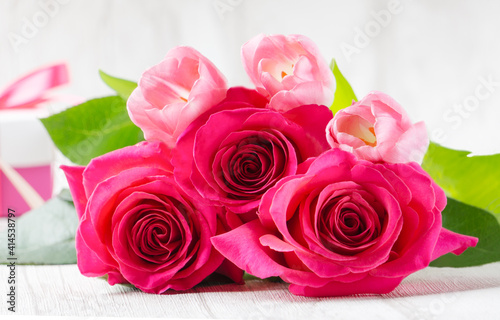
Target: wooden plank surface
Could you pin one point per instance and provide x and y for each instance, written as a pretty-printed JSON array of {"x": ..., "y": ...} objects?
[{"x": 433, "y": 293}]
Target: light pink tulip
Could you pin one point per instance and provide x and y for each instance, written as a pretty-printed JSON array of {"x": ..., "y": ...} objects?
[
  {"x": 289, "y": 70},
  {"x": 378, "y": 129},
  {"x": 173, "y": 93}
]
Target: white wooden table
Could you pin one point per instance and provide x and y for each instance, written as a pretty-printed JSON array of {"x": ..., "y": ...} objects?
[{"x": 433, "y": 293}]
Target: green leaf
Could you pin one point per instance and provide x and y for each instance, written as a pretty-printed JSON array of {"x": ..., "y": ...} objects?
[
  {"x": 473, "y": 180},
  {"x": 248, "y": 276},
  {"x": 45, "y": 235},
  {"x": 123, "y": 87},
  {"x": 344, "y": 95},
  {"x": 93, "y": 128},
  {"x": 465, "y": 219},
  {"x": 65, "y": 195}
]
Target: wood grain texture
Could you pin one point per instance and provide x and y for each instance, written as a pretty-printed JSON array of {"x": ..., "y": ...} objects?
[{"x": 433, "y": 293}]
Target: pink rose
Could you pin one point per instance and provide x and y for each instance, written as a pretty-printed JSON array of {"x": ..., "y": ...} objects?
[
  {"x": 233, "y": 154},
  {"x": 173, "y": 93},
  {"x": 289, "y": 70},
  {"x": 345, "y": 227},
  {"x": 137, "y": 226},
  {"x": 377, "y": 129}
]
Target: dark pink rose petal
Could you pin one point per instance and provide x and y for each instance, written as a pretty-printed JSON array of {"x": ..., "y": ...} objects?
[
  {"x": 145, "y": 154},
  {"x": 91, "y": 265},
  {"x": 345, "y": 226},
  {"x": 242, "y": 247},
  {"x": 99, "y": 208},
  {"x": 74, "y": 175},
  {"x": 368, "y": 284},
  {"x": 450, "y": 241},
  {"x": 235, "y": 155},
  {"x": 138, "y": 226}
]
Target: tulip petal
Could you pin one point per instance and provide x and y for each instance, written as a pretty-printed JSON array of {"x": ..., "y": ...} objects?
[
  {"x": 288, "y": 69},
  {"x": 377, "y": 129},
  {"x": 411, "y": 145},
  {"x": 173, "y": 93}
]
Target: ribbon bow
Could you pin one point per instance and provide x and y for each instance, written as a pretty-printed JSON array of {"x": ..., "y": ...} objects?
[
  {"x": 30, "y": 90},
  {"x": 27, "y": 93}
]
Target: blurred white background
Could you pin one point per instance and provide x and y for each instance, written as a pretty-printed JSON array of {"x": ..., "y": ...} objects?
[{"x": 439, "y": 59}]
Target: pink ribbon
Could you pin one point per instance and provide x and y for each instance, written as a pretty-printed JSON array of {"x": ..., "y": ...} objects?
[
  {"x": 30, "y": 90},
  {"x": 27, "y": 93}
]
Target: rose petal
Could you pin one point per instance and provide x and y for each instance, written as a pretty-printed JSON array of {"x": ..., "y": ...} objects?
[
  {"x": 242, "y": 247},
  {"x": 275, "y": 243},
  {"x": 88, "y": 261},
  {"x": 146, "y": 154},
  {"x": 369, "y": 284},
  {"x": 450, "y": 241},
  {"x": 74, "y": 175}
]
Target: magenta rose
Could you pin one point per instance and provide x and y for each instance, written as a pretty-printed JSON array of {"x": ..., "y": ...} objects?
[
  {"x": 346, "y": 226},
  {"x": 171, "y": 94},
  {"x": 234, "y": 154},
  {"x": 137, "y": 226}
]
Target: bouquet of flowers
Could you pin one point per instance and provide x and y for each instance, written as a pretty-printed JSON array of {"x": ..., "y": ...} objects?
[{"x": 294, "y": 179}]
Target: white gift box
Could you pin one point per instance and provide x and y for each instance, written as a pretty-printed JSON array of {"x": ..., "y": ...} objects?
[{"x": 26, "y": 147}]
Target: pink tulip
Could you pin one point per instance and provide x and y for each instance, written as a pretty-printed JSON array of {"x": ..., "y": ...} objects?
[
  {"x": 378, "y": 129},
  {"x": 289, "y": 70},
  {"x": 173, "y": 93}
]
